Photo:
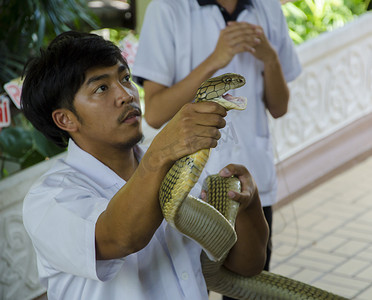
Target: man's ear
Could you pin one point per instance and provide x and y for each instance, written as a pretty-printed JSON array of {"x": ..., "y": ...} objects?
[{"x": 65, "y": 119}]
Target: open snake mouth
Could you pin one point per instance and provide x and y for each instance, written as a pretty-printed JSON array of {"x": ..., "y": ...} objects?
[{"x": 238, "y": 103}]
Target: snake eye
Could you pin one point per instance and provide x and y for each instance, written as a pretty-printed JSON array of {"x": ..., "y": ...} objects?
[{"x": 227, "y": 80}]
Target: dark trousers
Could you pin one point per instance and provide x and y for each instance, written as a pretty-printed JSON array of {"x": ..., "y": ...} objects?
[{"x": 268, "y": 212}]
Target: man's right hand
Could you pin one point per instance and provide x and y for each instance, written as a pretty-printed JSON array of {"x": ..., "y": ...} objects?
[{"x": 195, "y": 127}]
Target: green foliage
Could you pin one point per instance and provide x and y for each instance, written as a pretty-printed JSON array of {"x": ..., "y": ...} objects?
[
  {"x": 24, "y": 145},
  {"x": 27, "y": 25},
  {"x": 30, "y": 24},
  {"x": 308, "y": 18}
]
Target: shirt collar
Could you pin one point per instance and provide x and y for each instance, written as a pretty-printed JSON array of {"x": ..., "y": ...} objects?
[
  {"x": 241, "y": 5},
  {"x": 87, "y": 164}
]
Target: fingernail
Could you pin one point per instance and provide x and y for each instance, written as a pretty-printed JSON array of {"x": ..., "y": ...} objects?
[
  {"x": 203, "y": 195},
  {"x": 231, "y": 194},
  {"x": 225, "y": 172}
]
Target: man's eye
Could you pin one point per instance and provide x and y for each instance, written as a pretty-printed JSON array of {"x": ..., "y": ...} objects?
[
  {"x": 101, "y": 89},
  {"x": 126, "y": 78}
]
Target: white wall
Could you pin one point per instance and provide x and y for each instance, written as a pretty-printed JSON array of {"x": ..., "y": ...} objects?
[
  {"x": 334, "y": 89},
  {"x": 329, "y": 118}
]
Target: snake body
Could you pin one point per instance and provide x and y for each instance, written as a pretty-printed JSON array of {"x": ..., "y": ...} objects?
[{"x": 211, "y": 223}]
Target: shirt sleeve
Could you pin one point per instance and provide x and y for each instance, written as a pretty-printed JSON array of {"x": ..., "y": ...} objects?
[
  {"x": 281, "y": 41},
  {"x": 63, "y": 238},
  {"x": 155, "y": 58}
]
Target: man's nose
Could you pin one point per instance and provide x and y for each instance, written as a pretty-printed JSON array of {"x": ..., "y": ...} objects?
[{"x": 123, "y": 95}]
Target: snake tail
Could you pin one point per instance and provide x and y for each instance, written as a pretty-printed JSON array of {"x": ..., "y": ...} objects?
[{"x": 265, "y": 286}]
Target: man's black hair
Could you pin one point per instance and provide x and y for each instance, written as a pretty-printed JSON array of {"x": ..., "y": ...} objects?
[{"x": 52, "y": 79}]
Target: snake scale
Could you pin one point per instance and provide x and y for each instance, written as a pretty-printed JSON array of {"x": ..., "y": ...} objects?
[{"x": 211, "y": 223}]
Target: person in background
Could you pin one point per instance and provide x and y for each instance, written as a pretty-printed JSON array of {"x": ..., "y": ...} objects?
[
  {"x": 183, "y": 43},
  {"x": 94, "y": 218}
]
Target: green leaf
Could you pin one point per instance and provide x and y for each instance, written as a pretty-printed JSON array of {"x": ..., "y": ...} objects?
[
  {"x": 292, "y": 10},
  {"x": 320, "y": 16},
  {"x": 31, "y": 159},
  {"x": 15, "y": 141}
]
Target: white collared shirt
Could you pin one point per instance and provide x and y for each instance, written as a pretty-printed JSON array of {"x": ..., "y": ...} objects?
[
  {"x": 60, "y": 212},
  {"x": 178, "y": 35}
]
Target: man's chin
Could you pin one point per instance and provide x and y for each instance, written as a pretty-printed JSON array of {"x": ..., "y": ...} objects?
[
  {"x": 140, "y": 138},
  {"x": 135, "y": 140}
]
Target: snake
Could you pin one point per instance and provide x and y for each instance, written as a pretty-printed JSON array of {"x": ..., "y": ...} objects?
[{"x": 210, "y": 222}]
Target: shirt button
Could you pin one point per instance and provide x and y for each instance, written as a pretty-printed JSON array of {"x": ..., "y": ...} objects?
[{"x": 185, "y": 276}]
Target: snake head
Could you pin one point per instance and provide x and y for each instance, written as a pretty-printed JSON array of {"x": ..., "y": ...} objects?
[{"x": 215, "y": 89}]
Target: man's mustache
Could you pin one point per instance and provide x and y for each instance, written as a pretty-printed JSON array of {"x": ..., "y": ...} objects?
[{"x": 130, "y": 108}]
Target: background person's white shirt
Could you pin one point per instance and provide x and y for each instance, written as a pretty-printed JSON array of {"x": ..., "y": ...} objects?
[
  {"x": 60, "y": 213},
  {"x": 178, "y": 35}
]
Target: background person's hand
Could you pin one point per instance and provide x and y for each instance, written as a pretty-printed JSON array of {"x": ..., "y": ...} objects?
[
  {"x": 240, "y": 37},
  {"x": 236, "y": 37}
]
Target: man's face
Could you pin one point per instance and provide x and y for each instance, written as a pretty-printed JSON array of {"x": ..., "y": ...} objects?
[{"x": 108, "y": 109}]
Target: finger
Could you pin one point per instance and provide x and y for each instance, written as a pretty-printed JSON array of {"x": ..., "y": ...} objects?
[
  {"x": 199, "y": 143},
  {"x": 242, "y": 28},
  {"x": 189, "y": 118},
  {"x": 246, "y": 41},
  {"x": 208, "y": 108},
  {"x": 242, "y": 42},
  {"x": 233, "y": 25},
  {"x": 234, "y": 169},
  {"x": 211, "y": 120},
  {"x": 246, "y": 179},
  {"x": 188, "y": 145},
  {"x": 207, "y": 132},
  {"x": 240, "y": 34},
  {"x": 199, "y": 137}
]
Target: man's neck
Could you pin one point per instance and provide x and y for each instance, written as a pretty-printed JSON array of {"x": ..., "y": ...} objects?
[
  {"x": 122, "y": 161},
  {"x": 124, "y": 164},
  {"x": 229, "y": 5}
]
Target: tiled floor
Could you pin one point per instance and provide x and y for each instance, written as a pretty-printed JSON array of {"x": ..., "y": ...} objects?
[{"x": 324, "y": 237}]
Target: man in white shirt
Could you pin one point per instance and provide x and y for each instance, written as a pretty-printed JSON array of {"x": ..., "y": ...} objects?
[{"x": 94, "y": 218}]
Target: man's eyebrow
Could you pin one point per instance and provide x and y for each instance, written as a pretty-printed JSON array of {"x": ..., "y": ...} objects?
[
  {"x": 123, "y": 68},
  {"x": 96, "y": 78}
]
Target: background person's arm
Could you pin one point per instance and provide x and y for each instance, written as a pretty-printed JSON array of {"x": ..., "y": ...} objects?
[{"x": 163, "y": 102}]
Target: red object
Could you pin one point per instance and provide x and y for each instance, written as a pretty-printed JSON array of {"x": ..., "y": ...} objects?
[
  {"x": 14, "y": 89},
  {"x": 4, "y": 112}
]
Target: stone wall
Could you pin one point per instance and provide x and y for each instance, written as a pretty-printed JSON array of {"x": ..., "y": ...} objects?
[
  {"x": 329, "y": 117},
  {"x": 18, "y": 273}
]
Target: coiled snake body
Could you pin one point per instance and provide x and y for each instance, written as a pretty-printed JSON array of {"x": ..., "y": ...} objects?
[{"x": 211, "y": 223}]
